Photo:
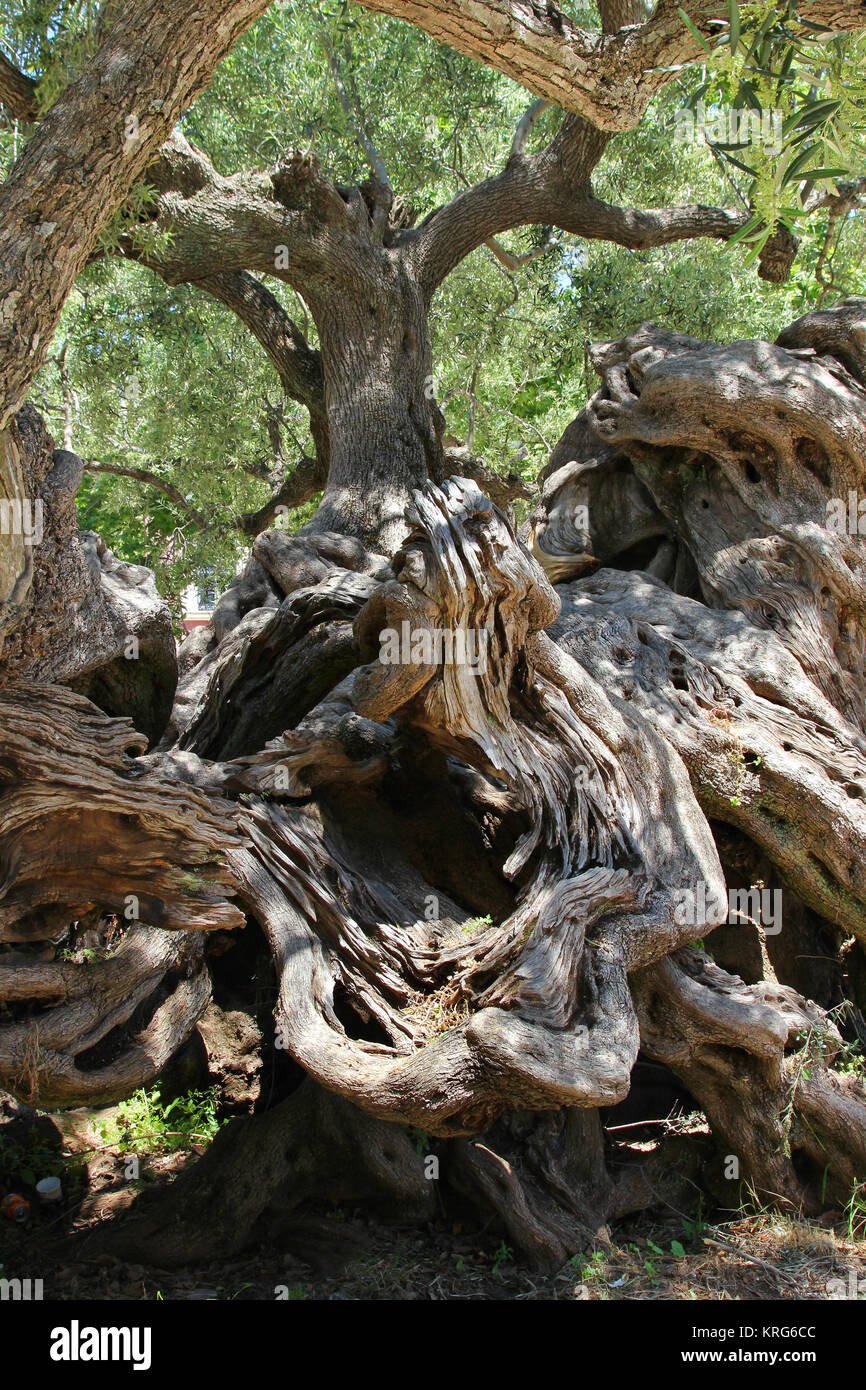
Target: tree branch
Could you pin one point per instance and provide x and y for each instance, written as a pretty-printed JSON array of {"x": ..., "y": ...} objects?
[
  {"x": 143, "y": 475},
  {"x": 87, "y": 153},
  {"x": 525, "y": 127},
  {"x": 608, "y": 78},
  {"x": 17, "y": 92},
  {"x": 616, "y": 14},
  {"x": 534, "y": 45},
  {"x": 510, "y": 261},
  {"x": 298, "y": 366},
  {"x": 850, "y": 195},
  {"x": 637, "y": 230},
  {"x": 246, "y": 221},
  {"x": 536, "y": 188},
  {"x": 308, "y": 477},
  {"x": 553, "y": 188}
]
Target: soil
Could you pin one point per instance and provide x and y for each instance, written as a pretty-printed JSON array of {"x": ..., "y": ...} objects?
[{"x": 332, "y": 1253}]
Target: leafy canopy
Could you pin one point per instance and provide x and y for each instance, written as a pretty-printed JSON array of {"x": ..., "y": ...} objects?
[{"x": 167, "y": 380}]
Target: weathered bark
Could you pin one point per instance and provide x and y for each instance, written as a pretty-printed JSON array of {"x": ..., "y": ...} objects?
[
  {"x": 758, "y": 1059},
  {"x": 17, "y": 91},
  {"x": 88, "y": 152},
  {"x": 607, "y": 78},
  {"x": 79, "y": 617},
  {"x": 468, "y": 872},
  {"x": 705, "y": 481}
]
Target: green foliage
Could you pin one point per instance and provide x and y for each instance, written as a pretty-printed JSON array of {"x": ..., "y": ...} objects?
[
  {"x": 421, "y": 1141},
  {"x": 855, "y": 1212},
  {"x": 131, "y": 224},
  {"x": 27, "y": 1161},
  {"x": 51, "y": 40},
  {"x": 475, "y": 924},
  {"x": 765, "y": 58},
  {"x": 296, "y": 1294},
  {"x": 590, "y": 1267},
  {"x": 850, "y": 1060},
  {"x": 167, "y": 380},
  {"x": 146, "y": 1124}
]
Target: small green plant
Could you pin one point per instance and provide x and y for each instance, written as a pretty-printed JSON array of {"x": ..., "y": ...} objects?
[
  {"x": 502, "y": 1255},
  {"x": 850, "y": 1060},
  {"x": 82, "y": 955},
  {"x": 144, "y": 1124},
  {"x": 693, "y": 1230},
  {"x": 651, "y": 1263},
  {"x": 419, "y": 1139},
  {"x": 855, "y": 1212},
  {"x": 588, "y": 1267},
  {"x": 28, "y": 1161},
  {"x": 475, "y": 924}
]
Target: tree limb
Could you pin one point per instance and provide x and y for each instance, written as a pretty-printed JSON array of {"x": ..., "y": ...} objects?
[
  {"x": 298, "y": 366},
  {"x": 526, "y": 125},
  {"x": 88, "y": 152},
  {"x": 306, "y": 479},
  {"x": 553, "y": 188},
  {"x": 144, "y": 475},
  {"x": 513, "y": 262},
  {"x": 17, "y": 92},
  {"x": 608, "y": 78}
]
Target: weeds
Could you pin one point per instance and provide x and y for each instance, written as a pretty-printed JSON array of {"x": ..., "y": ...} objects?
[
  {"x": 145, "y": 1124},
  {"x": 26, "y": 1163},
  {"x": 475, "y": 924},
  {"x": 855, "y": 1212}
]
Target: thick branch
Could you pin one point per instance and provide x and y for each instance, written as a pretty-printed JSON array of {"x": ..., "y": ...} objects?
[
  {"x": 290, "y": 222},
  {"x": 17, "y": 92},
  {"x": 308, "y": 477},
  {"x": 607, "y": 78},
  {"x": 553, "y": 188},
  {"x": 89, "y": 151}
]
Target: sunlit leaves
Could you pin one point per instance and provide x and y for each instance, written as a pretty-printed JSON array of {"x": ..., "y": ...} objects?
[{"x": 767, "y": 59}]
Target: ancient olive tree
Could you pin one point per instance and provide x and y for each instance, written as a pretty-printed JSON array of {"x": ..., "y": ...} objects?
[{"x": 480, "y": 795}]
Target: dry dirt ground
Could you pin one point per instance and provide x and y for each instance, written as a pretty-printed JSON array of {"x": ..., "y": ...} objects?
[{"x": 341, "y": 1254}]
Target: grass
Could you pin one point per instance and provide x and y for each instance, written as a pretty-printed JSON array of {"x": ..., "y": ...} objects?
[{"x": 855, "y": 1212}]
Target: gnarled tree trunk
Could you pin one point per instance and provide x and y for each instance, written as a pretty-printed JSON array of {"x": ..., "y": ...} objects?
[{"x": 470, "y": 861}]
